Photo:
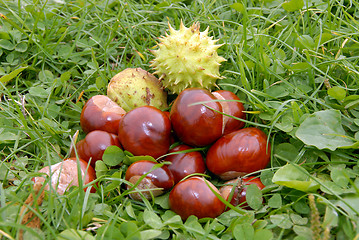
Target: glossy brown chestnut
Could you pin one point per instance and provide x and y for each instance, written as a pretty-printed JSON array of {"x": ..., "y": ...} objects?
[
  {"x": 196, "y": 125},
  {"x": 238, "y": 153},
  {"x": 239, "y": 188},
  {"x": 65, "y": 174},
  {"x": 145, "y": 130},
  {"x": 234, "y": 108},
  {"x": 184, "y": 164},
  {"x": 158, "y": 178},
  {"x": 94, "y": 145},
  {"x": 101, "y": 113},
  {"x": 193, "y": 196}
]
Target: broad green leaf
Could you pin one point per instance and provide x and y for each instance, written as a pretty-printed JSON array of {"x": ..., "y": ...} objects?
[
  {"x": 74, "y": 234},
  {"x": 281, "y": 220},
  {"x": 5, "y": 79},
  {"x": 46, "y": 76},
  {"x": 100, "y": 168},
  {"x": 330, "y": 217},
  {"x": 110, "y": 232},
  {"x": 21, "y": 47},
  {"x": 6, "y": 44},
  {"x": 38, "y": 92},
  {"x": 130, "y": 230},
  {"x": 286, "y": 151},
  {"x": 304, "y": 42},
  {"x": 300, "y": 66},
  {"x": 337, "y": 92},
  {"x": 152, "y": 219},
  {"x": 113, "y": 156},
  {"x": 243, "y": 231},
  {"x": 238, "y": 7},
  {"x": 293, "y": 5},
  {"x": 340, "y": 177},
  {"x": 275, "y": 201},
  {"x": 263, "y": 234},
  {"x": 294, "y": 176},
  {"x": 150, "y": 234},
  {"x": 297, "y": 219},
  {"x": 163, "y": 201},
  {"x": 323, "y": 129},
  {"x": 254, "y": 196}
]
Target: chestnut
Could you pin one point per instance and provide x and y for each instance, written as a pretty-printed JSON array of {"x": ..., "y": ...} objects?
[
  {"x": 145, "y": 130},
  {"x": 159, "y": 178},
  {"x": 232, "y": 108},
  {"x": 238, "y": 186},
  {"x": 64, "y": 175},
  {"x": 196, "y": 125},
  {"x": 94, "y": 145},
  {"x": 101, "y": 113},
  {"x": 184, "y": 164},
  {"x": 193, "y": 196},
  {"x": 238, "y": 153}
]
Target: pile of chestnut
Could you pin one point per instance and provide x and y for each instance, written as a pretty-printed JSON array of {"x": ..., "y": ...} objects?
[{"x": 202, "y": 133}]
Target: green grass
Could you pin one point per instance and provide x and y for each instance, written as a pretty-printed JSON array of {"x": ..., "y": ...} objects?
[{"x": 287, "y": 67}]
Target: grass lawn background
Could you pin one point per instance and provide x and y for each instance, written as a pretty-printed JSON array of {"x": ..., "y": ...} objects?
[{"x": 294, "y": 64}]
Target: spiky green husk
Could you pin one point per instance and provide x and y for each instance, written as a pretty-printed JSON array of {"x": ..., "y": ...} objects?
[
  {"x": 187, "y": 58},
  {"x": 135, "y": 87}
]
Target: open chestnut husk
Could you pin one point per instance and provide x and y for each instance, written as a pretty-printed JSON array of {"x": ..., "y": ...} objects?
[{"x": 65, "y": 174}]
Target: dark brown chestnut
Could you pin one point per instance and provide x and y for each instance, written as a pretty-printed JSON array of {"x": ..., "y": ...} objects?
[
  {"x": 194, "y": 196},
  {"x": 184, "y": 164},
  {"x": 238, "y": 153},
  {"x": 94, "y": 145},
  {"x": 159, "y": 178},
  {"x": 101, "y": 113},
  {"x": 196, "y": 125},
  {"x": 236, "y": 190},
  {"x": 145, "y": 130},
  {"x": 233, "y": 108}
]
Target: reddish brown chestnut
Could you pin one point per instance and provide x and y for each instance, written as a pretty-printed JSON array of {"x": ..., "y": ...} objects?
[
  {"x": 193, "y": 196},
  {"x": 145, "y": 131},
  {"x": 94, "y": 145},
  {"x": 239, "y": 188},
  {"x": 64, "y": 175},
  {"x": 101, "y": 113},
  {"x": 238, "y": 153},
  {"x": 196, "y": 125},
  {"x": 158, "y": 178},
  {"x": 184, "y": 164},
  {"x": 234, "y": 108}
]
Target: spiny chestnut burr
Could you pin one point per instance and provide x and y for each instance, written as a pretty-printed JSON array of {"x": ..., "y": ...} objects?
[
  {"x": 101, "y": 113},
  {"x": 160, "y": 179},
  {"x": 145, "y": 130},
  {"x": 239, "y": 153},
  {"x": 196, "y": 124},
  {"x": 194, "y": 196}
]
